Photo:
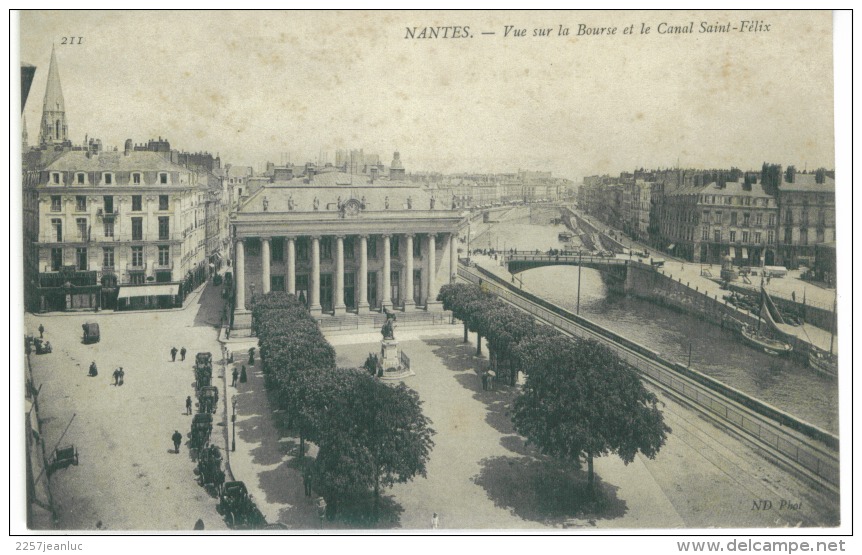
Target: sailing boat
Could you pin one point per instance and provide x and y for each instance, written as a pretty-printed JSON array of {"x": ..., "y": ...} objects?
[
  {"x": 756, "y": 339},
  {"x": 820, "y": 360}
]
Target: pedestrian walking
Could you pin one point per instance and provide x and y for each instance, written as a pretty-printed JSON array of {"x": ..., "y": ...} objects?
[
  {"x": 243, "y": 377},
  {"x": 793, "y": 295},
  {"x": 41, "y": 331},
  {"x": 173, "y": 354},
  {"x": 177, "y": 439},
  {"x": 93, "y": 370},
  {"x": 306, "y": 480},
  {"x": 251, "y": 356},
  {"x": 121, "y": 375},
  {"x": 321, "y": 509},
  {"x": 116, "y": 376},
  {"x": 435, "y": 521},
  {"x": 189, "y": 404},
  {"x": 235, "y": 375},
  {"x": 484, "y": 381},
  {"x": 183, "y": 353}
]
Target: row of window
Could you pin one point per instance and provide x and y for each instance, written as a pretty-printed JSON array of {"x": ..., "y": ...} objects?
[
  {"x": 80, "y": 178},
  {"x": 745, "y": 236},
  {"x": 108, "y": 258},
  {"x": 729, "y": 200},
  {"x": 84, "y": 230},
  {"x": 803, "y": 235},
  {"x": 81, "y": 203},
  {"x": 746, "y": 218}
]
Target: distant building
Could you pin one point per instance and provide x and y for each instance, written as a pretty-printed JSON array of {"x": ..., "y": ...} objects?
[
  {"x": 705, "y": 223},
  {"x": 807, "y": 216},
  {"x": 343, "y": 244}
]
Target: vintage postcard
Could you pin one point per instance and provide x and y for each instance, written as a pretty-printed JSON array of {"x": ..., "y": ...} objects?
[{"x": 428, "y": 271}]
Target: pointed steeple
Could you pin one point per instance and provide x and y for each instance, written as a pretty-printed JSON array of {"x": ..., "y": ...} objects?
[{"x": 53, "y": 129}]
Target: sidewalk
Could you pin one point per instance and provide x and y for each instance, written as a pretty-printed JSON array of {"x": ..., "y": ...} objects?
[{"x": 481, "y": 475}]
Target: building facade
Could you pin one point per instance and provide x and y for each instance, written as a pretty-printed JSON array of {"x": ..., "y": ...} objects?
[
  {"x": 118, "y": 230},
  {"x": 806, "y": 218},
  {"x": 343, "y": 244},
  {"x": 705, "y": 223}
]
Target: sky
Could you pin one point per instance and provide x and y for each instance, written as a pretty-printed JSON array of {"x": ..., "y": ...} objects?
[{"x": 276, "y": 86}]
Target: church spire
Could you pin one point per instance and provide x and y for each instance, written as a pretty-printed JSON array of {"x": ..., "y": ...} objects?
[{"x": 53, "y": 129}]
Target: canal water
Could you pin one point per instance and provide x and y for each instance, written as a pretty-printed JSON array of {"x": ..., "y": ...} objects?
[{"x": 782, "y": 383}]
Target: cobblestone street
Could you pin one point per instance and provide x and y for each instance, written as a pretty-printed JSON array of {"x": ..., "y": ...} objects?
[{"x": 128, "y": 477}]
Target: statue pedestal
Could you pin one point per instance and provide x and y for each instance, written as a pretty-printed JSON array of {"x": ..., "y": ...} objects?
[{"x": 391, "y": 361}]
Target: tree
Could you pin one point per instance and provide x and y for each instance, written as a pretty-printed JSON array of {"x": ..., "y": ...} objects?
[
  {"x": 581, "y": 401},
  {"x": 467, "y": 302},
  {"x": 373, "y": 436}
]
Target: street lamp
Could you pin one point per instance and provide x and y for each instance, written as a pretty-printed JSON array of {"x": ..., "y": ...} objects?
[{"x": 233, "y": 402}]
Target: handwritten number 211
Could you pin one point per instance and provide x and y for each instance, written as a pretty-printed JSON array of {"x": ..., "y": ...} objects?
[{"x": 71, "y": 40}]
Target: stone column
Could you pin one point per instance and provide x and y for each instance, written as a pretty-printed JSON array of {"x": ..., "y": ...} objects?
[
  {"x": 314, "y": 293},
  {"x": 453, "y": 257},
  {"x": 362, "y": 282},
  {"x": 338, "y": 305},
  {"x": 291, "y": 265},
  {"x": 409, "y": 303},
  {"x": 386, "y": 299},
  {"x": 265, "y": 252},
  {"x": 431, "y": 302},
  {"x": 240, "y": 274}
]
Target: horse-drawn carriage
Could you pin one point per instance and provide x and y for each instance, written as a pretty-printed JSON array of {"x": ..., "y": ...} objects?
[
  {"x": 41, "y": 347},
  {"x": 91, "y": 332},
  {"x": 203, "y": 370},
  {"x": 207, "y": 399},
  {"x": 209, "y": 468},
  {"x": 202, "y": 426},
  {"x": 63, "y": 457},
  {"x": 238, "y": 507}
]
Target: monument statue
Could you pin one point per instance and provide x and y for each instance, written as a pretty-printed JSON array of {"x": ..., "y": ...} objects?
[{"x": 388, "y": 329}]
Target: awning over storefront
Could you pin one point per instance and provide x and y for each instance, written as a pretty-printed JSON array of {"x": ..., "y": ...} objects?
[
  {"x": 671, "y": 246},
  {"x": 733, "y": 252},
  {"x": 152, "y": 290},
  {"x": 744, "y": 252}
]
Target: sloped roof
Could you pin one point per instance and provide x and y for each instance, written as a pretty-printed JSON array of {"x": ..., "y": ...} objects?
[
  {"x": 77, "y": 160},
  {"x": 807, "y": 182}
]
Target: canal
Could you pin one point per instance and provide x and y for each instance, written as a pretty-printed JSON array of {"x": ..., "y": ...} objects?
[{"x": 783, "y": 383}]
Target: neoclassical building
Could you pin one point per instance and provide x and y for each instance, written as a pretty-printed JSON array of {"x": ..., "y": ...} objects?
[{"x": 343, "y": 243}]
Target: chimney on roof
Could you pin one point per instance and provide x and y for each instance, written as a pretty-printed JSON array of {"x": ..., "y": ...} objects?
[{"x": 128, "y": 147}]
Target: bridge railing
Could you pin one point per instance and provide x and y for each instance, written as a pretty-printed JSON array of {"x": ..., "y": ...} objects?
[
  {"x": 568, "y": 258},
  {"x": 784, "y": 433}
]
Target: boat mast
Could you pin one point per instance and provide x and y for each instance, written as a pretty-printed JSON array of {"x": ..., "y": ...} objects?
[{"x": 834, "y": 317}]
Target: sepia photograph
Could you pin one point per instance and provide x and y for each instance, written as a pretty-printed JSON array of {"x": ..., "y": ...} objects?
[{"x": 428, "y": 272}]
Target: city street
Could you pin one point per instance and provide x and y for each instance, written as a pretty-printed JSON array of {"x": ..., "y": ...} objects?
[
  {"x": 128, "y": 477},
  {"x": 481, "y": 474}
]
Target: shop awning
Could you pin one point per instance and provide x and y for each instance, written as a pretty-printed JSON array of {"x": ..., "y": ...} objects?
[
  {"x": 733, "y": 252},
  {"x": 150, "y": 290},
  {"x": 744, "y": 252},
  {"x": 671, "y": 246}
]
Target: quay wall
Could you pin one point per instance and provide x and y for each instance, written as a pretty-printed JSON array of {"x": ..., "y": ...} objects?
[{"x": 809, "y": 448}]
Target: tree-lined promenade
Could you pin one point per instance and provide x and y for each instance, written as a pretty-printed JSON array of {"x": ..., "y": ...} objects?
[
  {"x": 579, "y": 401},
  {"x": 370, "y": 435}
]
